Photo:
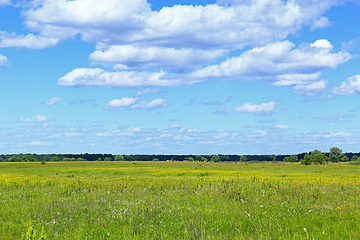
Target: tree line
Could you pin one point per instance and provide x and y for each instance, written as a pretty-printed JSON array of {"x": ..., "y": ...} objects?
[{"x": 314, "y": 157}]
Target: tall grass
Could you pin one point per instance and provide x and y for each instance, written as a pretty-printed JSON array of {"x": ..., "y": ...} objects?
[{"x": 157, "y": 200}]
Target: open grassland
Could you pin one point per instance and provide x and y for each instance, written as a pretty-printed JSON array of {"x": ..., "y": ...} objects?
[{"x": 180, "y": 200}]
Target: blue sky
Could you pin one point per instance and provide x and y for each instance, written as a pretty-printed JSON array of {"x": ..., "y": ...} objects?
[{"x": 179, "y": 77}]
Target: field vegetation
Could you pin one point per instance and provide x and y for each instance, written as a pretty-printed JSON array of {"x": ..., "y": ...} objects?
[{"x": 179, "y": 200}]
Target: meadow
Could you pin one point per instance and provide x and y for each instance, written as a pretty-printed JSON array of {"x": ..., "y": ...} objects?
[{"x": 179, "y": 200}]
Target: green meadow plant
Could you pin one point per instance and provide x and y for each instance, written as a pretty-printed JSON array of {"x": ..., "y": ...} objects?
[{"x": 179, "y": 200}]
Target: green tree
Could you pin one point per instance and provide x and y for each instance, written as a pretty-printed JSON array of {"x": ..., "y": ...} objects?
[
  {"x": 215, "y": 158},
  {"x": 15, "y": 159},
  {"x": 243, "y": 158},
  {"x": 108, "y": 159},
  {"x": 335, "y": 154},
  {"x": 292, "y": 158},
  {"x": 119, "y": 158},
  {"x": 155, "y": 159},
  {"x": 354, "y": 158},
  {"x": 320, "y": 158},
  {"x": 306, "y": 160},
  {"x": 344, "y": 158},
  {"x": 144, "y": 158},
  {"x": 55, "y": 159},
  {"x": 190, "y": 159},
  {"x": 28, "y": 158},
  {"x": 99, "y": 159},
  {"x": 198, "y": 158},
  {"x": 204, "y": 159}
]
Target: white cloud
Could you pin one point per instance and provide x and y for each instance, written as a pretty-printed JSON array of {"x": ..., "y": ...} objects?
[
  {"x": 114, "y": 22},
  {"x": 129, "y": 57},
  {"x": 175, "y": 126},
  {"x": 123, "y": 102},
  {"x": 53, "y": 101},
  {"x": 5, "y": 2},
  {"x": 214, "y": 103},
  {"x": 93, "y": 77},
  {"x": 251, "y": 108},
  {"x": 3, "y": 61},
  {"x": 133, "y": 103},
  {"x": 311, "y": 89},
  {"x": 35, "y": 143},
  {"x": 147, "y": 91},
  {"x": 157, "y": 103},
  {"x": 277, "y": 62},
  {"x": 322, "y": 43},
  {"x": 279, "y": 126},
  {"x": 29, "y": 41},
  {"x": 332, "y": 135},
  {"x": 352, "y": 86},
  {"x": 254, "y": 108},
  {"x": 322, "y": 22},
  {"x": 36, "y": 119}
]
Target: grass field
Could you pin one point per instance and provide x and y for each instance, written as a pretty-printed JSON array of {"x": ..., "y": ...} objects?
[{"x": 180, "y": 200}]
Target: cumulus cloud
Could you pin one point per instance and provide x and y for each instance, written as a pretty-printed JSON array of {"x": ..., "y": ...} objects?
[
  {"x": 53, "y": 101},
  {"x": 311, "y": 89},
  {"x": 211, "y": 26},
  {"x": 29, "y": 41},
  {"x": 278, "y": 62},
  {"x": 123, "y": 102},
  {"x": 129, "y": 57},
  {"x": 94, "y": 77},
  {"x": 134, "y": 103},
  {"x": 322, "y": 22},
  {"x": 251, "y": 108},
  {"x": 351, "y": 87},
  {"x": 36, "y": 119}
]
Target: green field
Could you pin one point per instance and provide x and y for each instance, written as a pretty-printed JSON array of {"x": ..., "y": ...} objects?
[{"x": 180, "y": 200}]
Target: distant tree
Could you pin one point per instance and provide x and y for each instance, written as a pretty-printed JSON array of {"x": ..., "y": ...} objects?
[
  {"x": 130, "y": 158},
  {"x": 215, "y": 158},
  {"x": 335, "y": 154},
  {"x": 306, "y": 160},
  {"x": 99, "y": 159},
  {"x": 144, "y": 158},
  {"x": 15, "y": 159},
  {"x": 155, "y": 159},
  {"x": 119, "y": 158},
  {"x": 108, "y": 159},
  {"x": 243, "y": 158},
  {"x": 55, "y": 159},
  {"x": 204, "y": 159},
  {"x": 224, "y": 158},
  {"x": 292, "y": 158},
  {"x": 320, "y": 158},
  {"x": 354, "y": 158},
  {"x": 28, "y": 158},
  {"x": 198, "y": 158},
  {"x": 80, "y": 159},
  {"x": 344, "y": 158},
  {"x": 190, "y": 159}
]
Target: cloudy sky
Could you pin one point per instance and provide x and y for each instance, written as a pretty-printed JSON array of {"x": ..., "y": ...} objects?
[{"x": 179, "y": 76}]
